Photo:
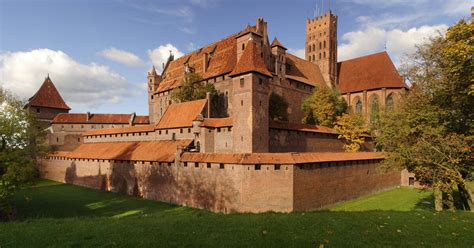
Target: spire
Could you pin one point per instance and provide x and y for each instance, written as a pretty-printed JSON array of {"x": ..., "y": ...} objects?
[{"x": 152, "y": 70}]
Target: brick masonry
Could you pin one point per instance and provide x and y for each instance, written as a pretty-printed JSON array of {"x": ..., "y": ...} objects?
[{"x": 227, "y": 187}]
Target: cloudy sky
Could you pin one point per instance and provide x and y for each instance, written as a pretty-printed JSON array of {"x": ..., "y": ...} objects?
[{"x": 97, "y": 52}]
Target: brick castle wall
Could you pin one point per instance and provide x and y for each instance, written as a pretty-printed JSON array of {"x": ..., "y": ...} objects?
[{"x": 226, "y": 187}]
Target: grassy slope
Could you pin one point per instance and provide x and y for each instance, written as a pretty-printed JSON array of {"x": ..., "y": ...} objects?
[{"x": 63, "y": 215}]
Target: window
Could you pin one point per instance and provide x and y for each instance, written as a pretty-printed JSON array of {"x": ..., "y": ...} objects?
[
  {"x": 389, "y": 102},
  {"x": 242, "y": 82},
  {"x": 166, "y": 131},
  {"x": 38, "y": 110},
  {"x": 221, "y": 166},
  {"x": 320, "y": 46},
  {"x": 241, "y": 102},
  {"x": 196, "y": 165},
  {"x": 185, "y": 164},
  {"x": 57, "y": 140},
  {"x": 208, "y": 165},
  {"x": 218, "y": 129},
  {"x": 319, "y": 55},
  {"x": 314, "y": 58},
  {"x": 189, "y": 130},
  {"x": 78, "y": 140},
  {"x": 260, "y": 81},
  {"x": 82, "y": 126},
  {"x": 324, "y": 44},
  {"x": 324, "y": 54},
  {"x": 411, "y": 181},
  {"x": 314, "y": 47},
  {"x": 258, "y": 167},
  {"x": 358, "y": 106},
  {"x": 180, "y": 130},
  {"x": 243, "y": 46}
]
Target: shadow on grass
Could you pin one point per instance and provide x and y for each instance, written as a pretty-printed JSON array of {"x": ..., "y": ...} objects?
[{"x": 49, "y": 199}]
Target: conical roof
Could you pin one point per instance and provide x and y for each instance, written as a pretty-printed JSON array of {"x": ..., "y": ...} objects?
[
  {"x": 276, "y": 42},
  {"x": 48, "y": 96}
]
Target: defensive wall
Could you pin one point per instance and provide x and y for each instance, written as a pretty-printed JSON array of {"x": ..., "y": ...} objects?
[{"x": 280, "y": 182}]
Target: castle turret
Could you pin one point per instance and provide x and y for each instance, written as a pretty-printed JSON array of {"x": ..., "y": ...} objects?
[
  {"x": 153, "y": 82},
  {"x": 250, "y": 86},
  {"x": 321, "y": 45},
  {"x": 279, "y": 52}
]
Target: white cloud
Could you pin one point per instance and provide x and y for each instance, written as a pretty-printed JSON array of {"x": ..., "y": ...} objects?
[
  {"x": 373, "y": 39},
  {"x": 82, "y": 86},
  {"x": 160, "y": 55},
  {"x": 297, "y": 52},
  {"x": 121, "y": 56}
]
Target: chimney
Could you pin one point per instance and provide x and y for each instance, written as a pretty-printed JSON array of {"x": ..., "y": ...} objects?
[
  {"x": 132, "y": 119},
  {"x": 88, "y": 116},
  {"x": 209, "y": 100},
  {"x": 205, "y": 62}
]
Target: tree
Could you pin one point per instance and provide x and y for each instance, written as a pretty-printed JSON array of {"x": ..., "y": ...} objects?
[
  {"x": 431, "y": 133},
  {"x": 21, "y": 142},
  {"x": 192, "y": 88},
  {"x": 278, "y": 107},
  {"x": 323, "y": 107},
  {"x": 351, "y": 128}
]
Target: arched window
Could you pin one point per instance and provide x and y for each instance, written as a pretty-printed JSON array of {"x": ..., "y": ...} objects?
[
  {"x": 374, "y": 110},
  {"x": 319, "y": 55},
  {"x": 324, "y": 44},
  {"x": 314, "y": 47},
  {"x": 243, "y": 46},
  {"x": 374, "y": 105},
  {"x": 309, "y": 48},
  {"x": 389, "y": 102},
  {"x": 320, "y": 45},
  {"x": 358, "y": 106},
  {"x": 314, "y": 58}
]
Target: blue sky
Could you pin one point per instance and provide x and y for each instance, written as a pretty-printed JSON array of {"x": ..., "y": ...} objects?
[{"x": 98, "y": 52}]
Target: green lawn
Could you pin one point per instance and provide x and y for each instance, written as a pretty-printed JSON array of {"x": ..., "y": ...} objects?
[{"x": 59, "y": 215}]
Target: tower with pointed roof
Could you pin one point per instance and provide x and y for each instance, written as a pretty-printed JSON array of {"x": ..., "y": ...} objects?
[
  {"x": 250, "y": 87},
  {"x": 46, "y": 103},
  {"x": 321, "y": 45},
  {"x": 153, "y": 81}
]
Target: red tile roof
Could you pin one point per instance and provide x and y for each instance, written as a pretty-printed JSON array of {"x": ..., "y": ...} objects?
[
  {"x": 369, "y": 72},
  {"x": 251, "y": 60},
  {"x": 217, "y": 122},
  {"x": 222, "y": 58},
  {"x": 132, "y": 129},
  {"x": 279, "y": 158},
  {"x": 163, "y": 151},
  {"x": 303, "y": 71},
  {"x": 181, "y": 114},
  {"x": 98, "y": 118},
  {"x": 300, "y": 127},
  {"x": 48, "y": 96}
]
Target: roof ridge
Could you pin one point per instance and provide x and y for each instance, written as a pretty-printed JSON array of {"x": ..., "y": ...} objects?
[{"x": 364, "y": 56}]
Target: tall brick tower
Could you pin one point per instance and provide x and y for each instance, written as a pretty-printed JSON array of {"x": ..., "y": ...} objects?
[
  {"x": 321, "y": 45},
  {"x": 153, "y": 81}
]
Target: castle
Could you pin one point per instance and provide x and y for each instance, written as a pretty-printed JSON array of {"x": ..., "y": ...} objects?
[{"x": 225, "y": 153}]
